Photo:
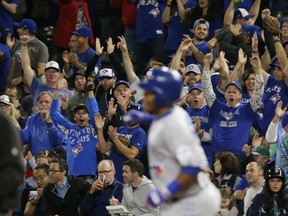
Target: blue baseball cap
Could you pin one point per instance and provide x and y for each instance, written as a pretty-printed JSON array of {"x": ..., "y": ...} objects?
[
  {"x": 275, "y": 63},
  {"x": 135, "y": 106},
  {"x": 201, "y": 21},
  {"x": 195, "y": 86},
  {"x": 27, "y": 24},
  {"x": 83, "y": 31},
  {"x": 250, "y": 29},
  {"x": 235, "y": 83},
  {"x": 106, "y": 73}
]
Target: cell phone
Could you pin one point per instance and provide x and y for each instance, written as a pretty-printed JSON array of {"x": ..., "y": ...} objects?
[{"x": 33, "y": 194}]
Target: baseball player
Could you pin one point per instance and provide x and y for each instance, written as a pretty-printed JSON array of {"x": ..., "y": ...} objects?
[{"x": 176, "y": 160}]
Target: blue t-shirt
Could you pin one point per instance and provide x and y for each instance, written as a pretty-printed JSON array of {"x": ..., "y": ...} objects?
[
  {"x": 138, "y": 139},
  {"x": 81, "y": 142},
  {"x": 231, "y": 126},
  {"x": 5, "y": 64},
  {"x": 190, "y": 59}
]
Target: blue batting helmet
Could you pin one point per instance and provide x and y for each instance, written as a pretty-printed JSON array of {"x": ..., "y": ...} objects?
[{"x": 165, "y": 83}]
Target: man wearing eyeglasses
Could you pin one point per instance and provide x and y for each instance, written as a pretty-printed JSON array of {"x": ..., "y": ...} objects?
[
  {"x": 62, "y": 196},
  {"x": 103, "y": 189}
]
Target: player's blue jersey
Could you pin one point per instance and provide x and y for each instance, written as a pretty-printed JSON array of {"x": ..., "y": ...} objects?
[
  {"x": 274, "y": 92},
  {"x": 231, "y": 126},
  {"x": 81, "y": 147},
  {"x": 137, "y": 138}
]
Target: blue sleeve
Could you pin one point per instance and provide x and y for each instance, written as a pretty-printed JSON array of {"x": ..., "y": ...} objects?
[
  {"x": 242, "y": 184},
  {"x": 139, "y": 140},
  {"x": 57, "y": 117},
  {"x": 26, "y": 132},
  {"x": 93, "y": 109},
  {"x": 56, "y": 136}
]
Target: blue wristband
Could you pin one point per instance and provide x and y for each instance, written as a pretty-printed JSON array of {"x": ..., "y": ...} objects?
[
  {"x": 193, "y": 171},
  {"x": 174, "y": 186}
]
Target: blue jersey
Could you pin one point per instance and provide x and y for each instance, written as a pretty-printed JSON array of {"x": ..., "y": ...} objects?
[
  {"x": 84, "y": 58},
  {"x": 5, "y": 64},
  {"x": 176, "y": 29},
  {"x": 40, "y": 135},
  {"x": 203, "y": 113},
  {"x": 149, "y": 20},
  {"x": 81, "y": 142},
  {"x": 37, "y": 87},
  {"x": 6, "y": 19},
  {"x": 231, "y": 126},
  {"x": 274, "y": 92},
  {"x": 137, "y": 138}
]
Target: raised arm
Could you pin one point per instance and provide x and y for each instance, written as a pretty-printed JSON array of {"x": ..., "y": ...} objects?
[
  {"x": 255, "y": 11},
  {"x": 282, "y": 58},
  {"x": 25, "y": 60},
  {"x": 103, "y": 146},
  {"x": 166, "y": 13},
  {"x": 229, "y": 15},
  {"x": 183, "y": 48},
  {"x": 224, "y": 72},
  {"x": 256, "y": 97},
  {"x": 206, "y": 80},
  {"x": 272, "y": 131},
  {"x": 128, "y": 66},
  {"x": 239, "y": 68}
]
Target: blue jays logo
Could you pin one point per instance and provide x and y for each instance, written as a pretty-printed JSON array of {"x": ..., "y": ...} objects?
[
  {"x": 275, "y": 98},
  {"x": 154, "y": 12},
  {"x": 76, "y": 150}
]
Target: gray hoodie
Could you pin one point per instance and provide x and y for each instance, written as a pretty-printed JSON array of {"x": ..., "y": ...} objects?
[{"x": 135, "y": 201}]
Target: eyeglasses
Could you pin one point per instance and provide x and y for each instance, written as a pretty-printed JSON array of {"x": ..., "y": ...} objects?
[
  {"x": 53, "y": 171},
  {"x": 39, "y": 178},
  {"x": 104, "y": 171}
]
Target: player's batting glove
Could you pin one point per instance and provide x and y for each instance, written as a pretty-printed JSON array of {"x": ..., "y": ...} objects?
[
  {"x": 156, "y": 197},
  {"x": 134, "y": 117}
]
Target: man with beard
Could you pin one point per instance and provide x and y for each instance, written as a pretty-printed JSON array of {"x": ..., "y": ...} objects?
[
  {"x": 81, "y": 136},
  {"x": 40, "y": 131},
  {"x": 198, "y": 47}
]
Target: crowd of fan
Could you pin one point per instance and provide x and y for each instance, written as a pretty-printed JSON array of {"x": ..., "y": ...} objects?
[{"x": 68, "y": 95}]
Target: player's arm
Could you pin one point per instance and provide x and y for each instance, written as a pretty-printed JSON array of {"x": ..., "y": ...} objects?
[
  {"x": 102, "y": 146},
  {"x": 206, "y": 80}
]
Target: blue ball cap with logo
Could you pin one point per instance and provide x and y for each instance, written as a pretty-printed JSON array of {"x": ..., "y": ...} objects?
[
  {"x": 83, "y": 31},
  {"x": 195, "y": 86},
  {"x": 235, "y": 83},
  {"x": 27, "y": 24}
]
